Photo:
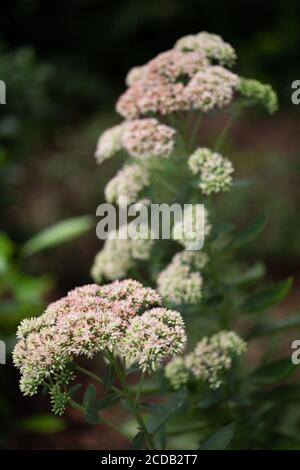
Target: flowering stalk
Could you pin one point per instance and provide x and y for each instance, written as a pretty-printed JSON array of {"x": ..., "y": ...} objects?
[
  {"x": 131, "y": 402},
  {"x": 140, "y": 388},
  {"x": 163, "y": 107},
  {"x": 125, "y": 393}
]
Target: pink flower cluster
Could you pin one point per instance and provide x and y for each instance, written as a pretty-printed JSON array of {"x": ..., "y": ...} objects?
[
  {"x": 90, "y": 319},
  {"x": 211, "y": 88},
  {"x": 144, "y": 138},
  {"x": 169, "y": 66},
  {"x": 181, "y": 79},
  {"x": 150, "y": 97}
]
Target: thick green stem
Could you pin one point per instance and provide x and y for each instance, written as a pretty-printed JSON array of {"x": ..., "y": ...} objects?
[
  {"x": 140, "y": 388},
  {"x": 221, "y": 288},
  {"x": 95, "y": 377},
  {"x": 166, "y": 184},
  {"x": 223, "y": 134},
  {"x": 195, "y": 131},
  {"x": 89, "y": 374},
  {"x": 131, "y": 402}
]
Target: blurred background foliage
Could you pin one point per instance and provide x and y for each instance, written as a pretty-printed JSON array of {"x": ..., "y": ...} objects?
[{"x": 64, "y": 65}]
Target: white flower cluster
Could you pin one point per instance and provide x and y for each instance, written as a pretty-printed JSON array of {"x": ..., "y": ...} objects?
[
  {"x": 123, "y": 317},
  {"x": 109, "y": 143},
  {"x": 152, "y": 337},
  {"x": 141, "y": 138},
  {"x": 209, "y": 361},
  {"x": 213, "y": 45},
  {"x": 181, "y": 282},
  {"x": 144, "y": 138},
  {"x": 128, "y": 182},
  {"x": 190, "y": 229},
  {"x": 177, "y": 373},
  {"x": 215, "y": 170},
  {"x": 120, "y": 254}
]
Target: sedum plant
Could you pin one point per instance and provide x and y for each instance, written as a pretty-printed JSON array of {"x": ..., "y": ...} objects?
[{"x": 181, "y": 320}]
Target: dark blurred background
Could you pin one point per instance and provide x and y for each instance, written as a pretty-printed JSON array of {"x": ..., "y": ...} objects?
[{"x": 64, "y": 64}]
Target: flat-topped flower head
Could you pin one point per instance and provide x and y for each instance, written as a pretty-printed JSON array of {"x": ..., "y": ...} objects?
[
  {"x": 80, "y": 326},
  {"x": 148, "y": 97},
  {"x": 143, "y": 138},
  {"x": 209, "y": 362},
  {"x": 168, "y": 67},
  {"x": 212, "y": 357},
  {"x": 109, "y": 143},
  {"x": 129, "y": 298},
  {"x": 181, "y": 282},
  {"x": 177, "y": 373},
  {"x": 119, "y": 255},
  {"x": 90, "y": 319},
  {"x": 177, "y": 81},
  {"x": 211, "y": 88},
  {"x": 191, "y": 230},
  {"x": 193, "y": 259},
  {"x": 132, "y": 291},
  {"x": 113, "y": 261},
  {"x": 211, "y": 45},
  {"x": 174, "y": 65},
  {"x": 128, "y": 183},
  {"x": 215, "y": 171},
  {"x": 153, "y": 337}
]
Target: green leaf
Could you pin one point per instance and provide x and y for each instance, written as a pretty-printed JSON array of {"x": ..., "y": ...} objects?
[
  {"x": 247, "y": 234},
  {"x": 128, "y": 406},
  {"x": 209, "y": 398},
  {"x": 6, "y": 251},
  {"x": 267, "y": 297},
  {"x": 256, "y": 272},
  {"x": 41, "y": 423},
  {"x": 273, "y": 372},
  {"x": 160, "y": 438},
  {"x": 221, "y": 439},
  {"x": 57, "y": 234},
  {"x": 275, "y": 326},
  {"x": 73, "y": 390},
  {"x": 220, "y": 234},
  {"x": 106, "y": 401},
  {"x": 91, "y": 417},
  {"x": 138, "y": 441},
  {"x": 160, "y": 413},
  {"x": 30, "y": 289},
  {"x": 285, "y": 442},
  {"x": 89, "y": 396},
  {"x": 288, "y": 394}
]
